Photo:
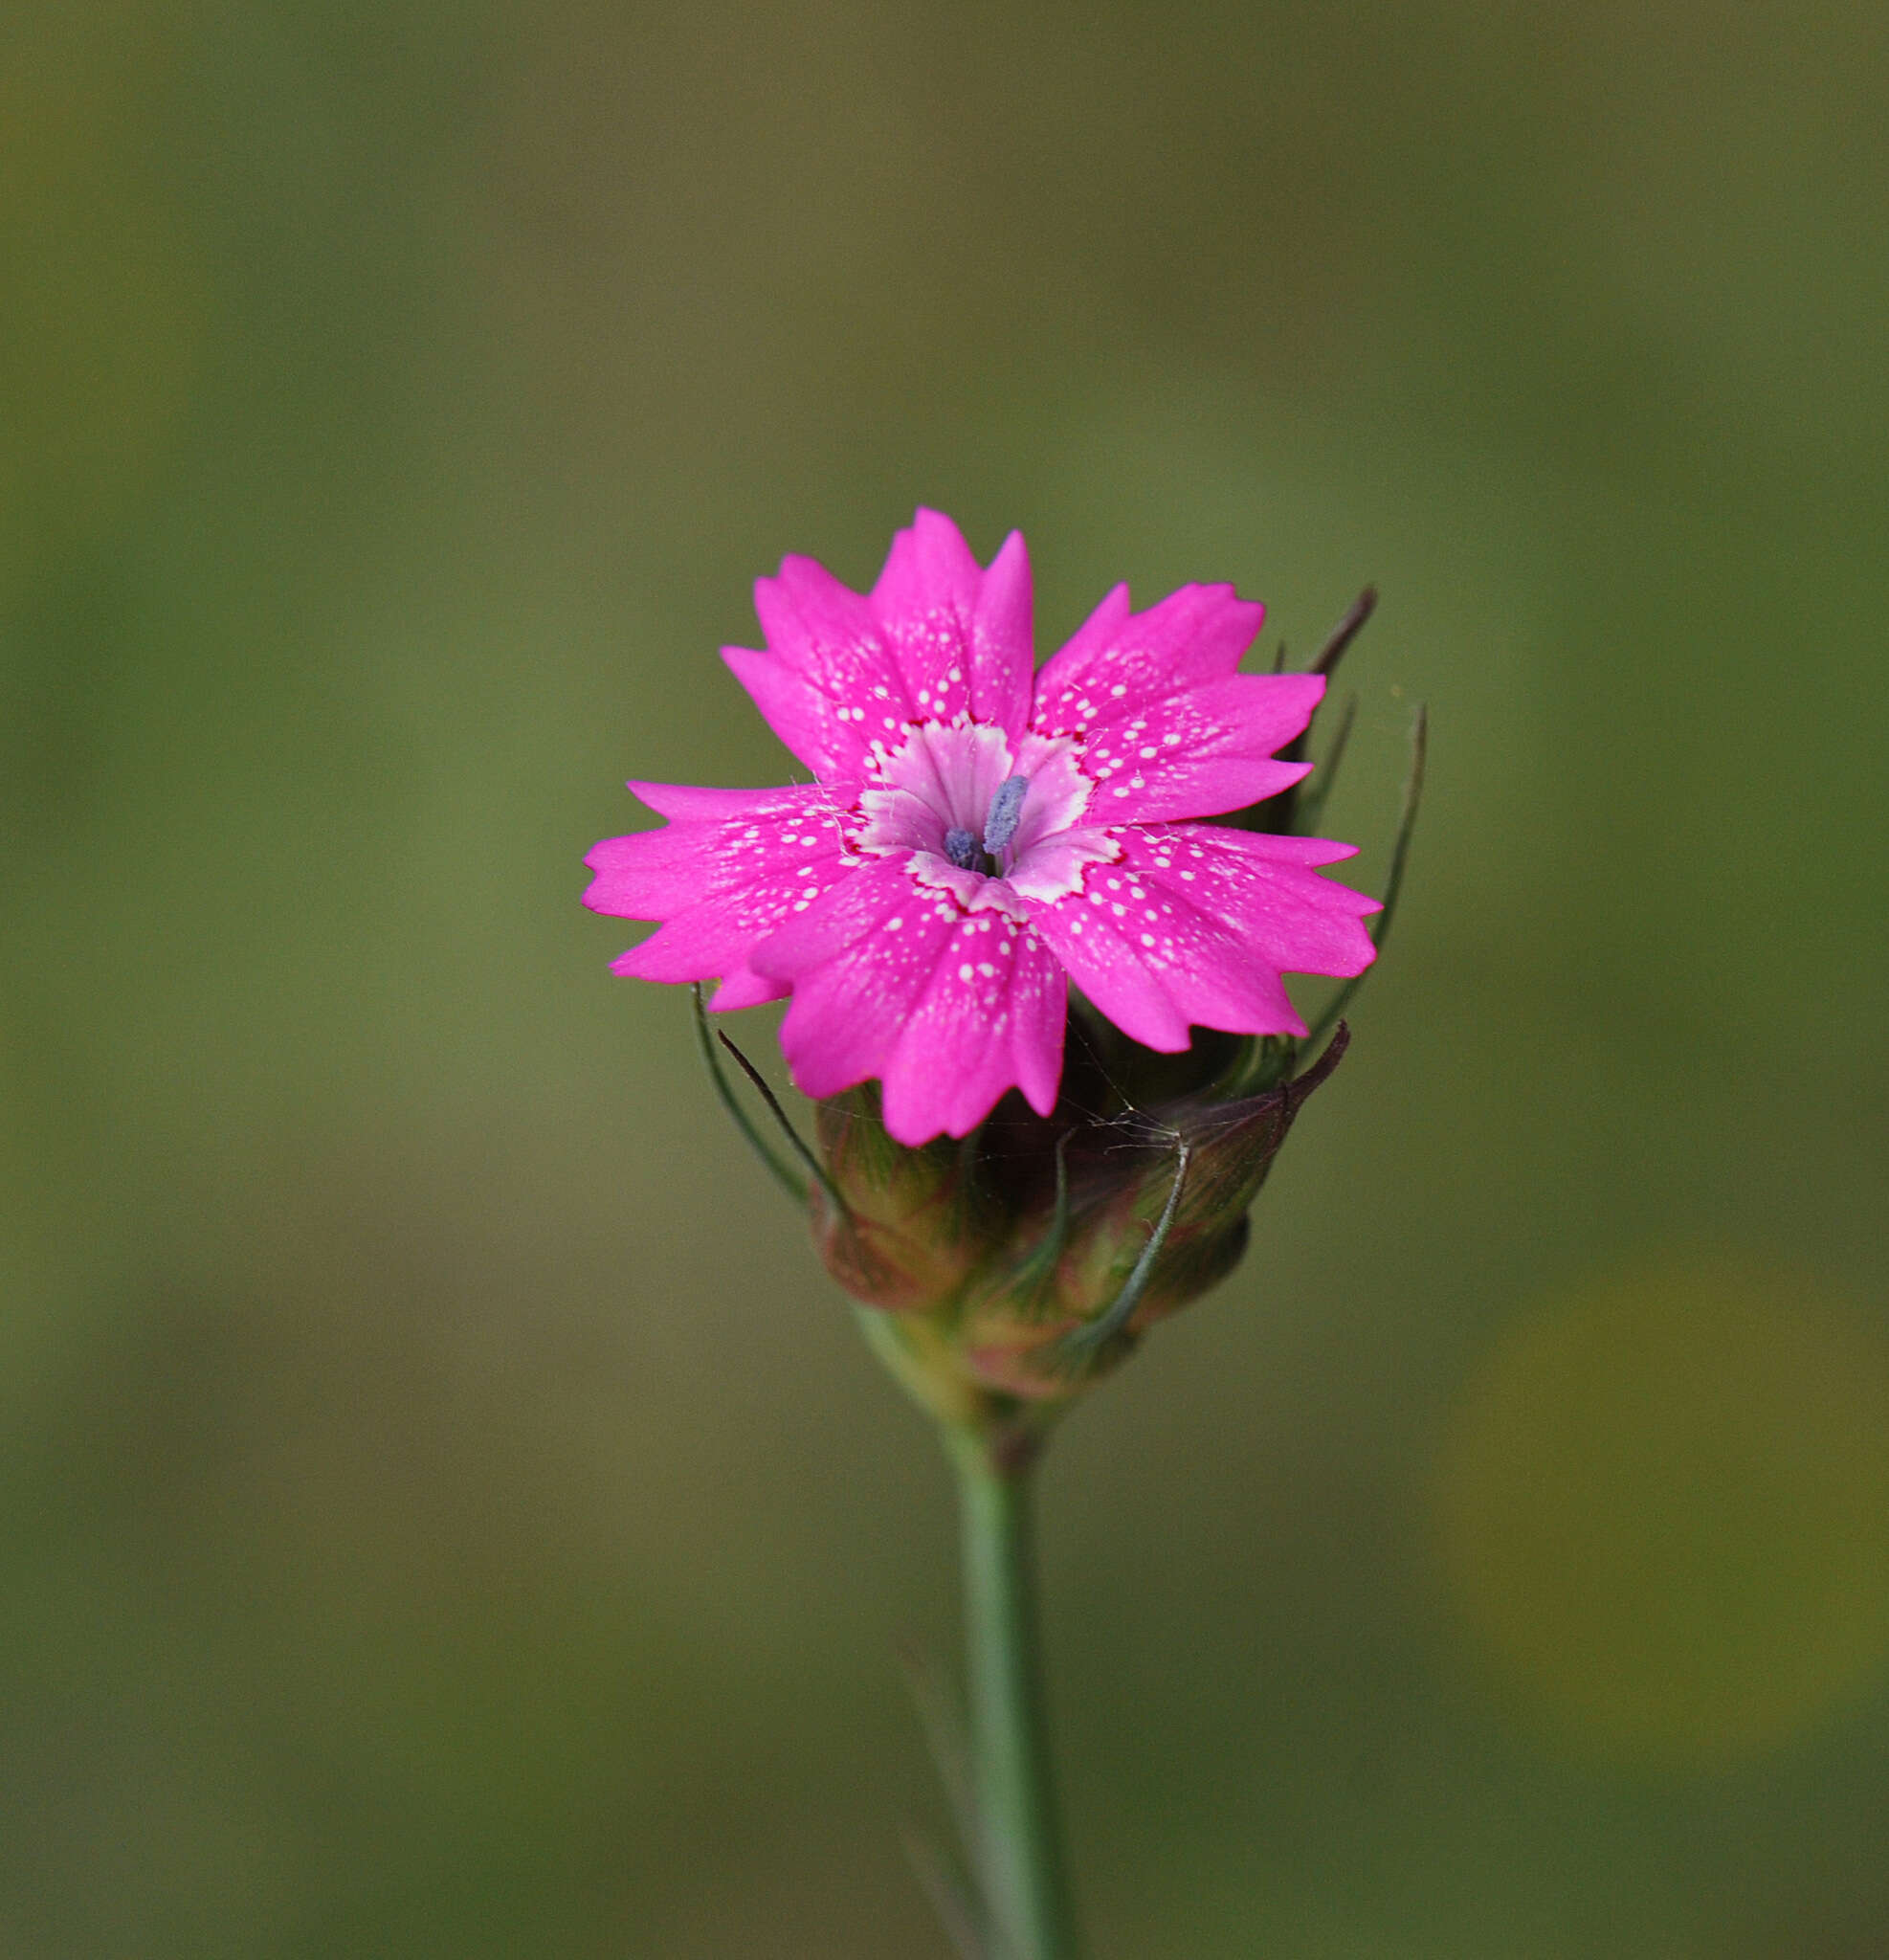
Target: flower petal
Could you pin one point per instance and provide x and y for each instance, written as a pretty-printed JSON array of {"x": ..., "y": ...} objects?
[
  {"x": 1200, "y": 751},
  {"x": 939, "y": 636},
  {"x": 990, "y": 1020},
  {"x": 963, "y": 634},
  {"x": 1195, "y": 636},
  {"x": 1194, "y": 926},
  {"x": 949, "y": 1009},
  {"x": 1171, "y": 730},
  {"x": 725, "y": 871},
  {"x": 827, "y": 684},
  {"x": 804, "y": 718}
]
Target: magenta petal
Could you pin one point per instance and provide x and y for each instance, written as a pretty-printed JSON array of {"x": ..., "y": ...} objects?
[
  {"x": 1003, "y": 640},
  {"x": 929, "y": 568},
  {"x": 1194, "y": 637},
  {"x": 1192, "y": 752},
  {"x": 743, "y": 989},
  {"x": 1204, "y": 786},
  {"x": 1195, "y": 924},
  {"x": 825, "y": 630},
  {"x": 1265, "y": 889},
  {"x": 829, "y": 682},
  {"x": 893, "y": 980},
  {"x": 962, "y": 635},
  {"x": 855, "y": 975},
  {"x": 691, "y": 802},
  {"x": 1170, "y": 729},
  {"x": 728, "y": 868},
  {"x": 800, "y": 715},
  {"x": 1106, "y": 964},
  {"x": 990, "y": 1020},
  {"x": 856, "y": 908}
]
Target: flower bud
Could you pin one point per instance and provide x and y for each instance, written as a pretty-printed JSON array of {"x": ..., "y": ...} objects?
[{"x": 1023, "y": 1263}]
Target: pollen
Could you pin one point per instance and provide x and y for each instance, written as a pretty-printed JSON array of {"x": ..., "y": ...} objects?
[{"x": 1006, "y": 813}]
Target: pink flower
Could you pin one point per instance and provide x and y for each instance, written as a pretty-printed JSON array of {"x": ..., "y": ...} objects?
[{"x": 977, "y": 835}]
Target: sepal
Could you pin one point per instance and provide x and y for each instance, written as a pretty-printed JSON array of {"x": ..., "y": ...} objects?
[
  {"x": 899, "y": 1229},
  {"x": 1158, "y": 1217},
  {"x": 1022, "y": 1264}
]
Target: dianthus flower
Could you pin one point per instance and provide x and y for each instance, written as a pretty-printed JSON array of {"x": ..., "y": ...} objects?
[{"x": 979, "y": 833}]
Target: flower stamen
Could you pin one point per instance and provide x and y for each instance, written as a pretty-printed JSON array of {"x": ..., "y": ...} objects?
[
  {"x": 1005, "y": 813},
  {"x": 961, "y": 848}
]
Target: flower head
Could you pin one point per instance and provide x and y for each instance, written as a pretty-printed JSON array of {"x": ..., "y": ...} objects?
[{"x": 979, "y": 833}]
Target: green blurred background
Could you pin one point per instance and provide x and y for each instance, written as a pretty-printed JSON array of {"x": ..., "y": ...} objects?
[{"x": 445, "y": 1510}]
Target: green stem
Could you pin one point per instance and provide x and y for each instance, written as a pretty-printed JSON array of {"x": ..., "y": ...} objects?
[{"x": 1020, "y": 1849}]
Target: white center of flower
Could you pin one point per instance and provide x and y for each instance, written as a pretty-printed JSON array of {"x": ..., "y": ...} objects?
[{"x": 979, "y": 817}]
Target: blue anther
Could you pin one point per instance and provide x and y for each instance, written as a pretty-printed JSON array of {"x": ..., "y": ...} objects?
[
  {"x": 961, "y": 848},
  {"x": 1006, "y": 813}
]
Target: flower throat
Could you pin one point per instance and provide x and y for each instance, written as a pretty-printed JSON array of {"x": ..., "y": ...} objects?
[{"x": 961, "y": 846}]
